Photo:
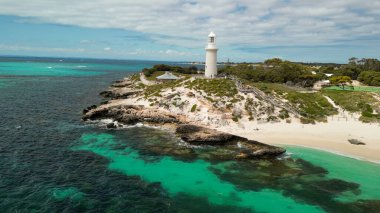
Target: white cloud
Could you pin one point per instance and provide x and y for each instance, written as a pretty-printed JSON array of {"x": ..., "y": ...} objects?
[
  {"x": 107, "y": 48},
  {"x": 240, "y": 22}
]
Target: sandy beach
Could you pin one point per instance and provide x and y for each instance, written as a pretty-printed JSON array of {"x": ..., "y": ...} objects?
[{"x": 332, "y": 136}]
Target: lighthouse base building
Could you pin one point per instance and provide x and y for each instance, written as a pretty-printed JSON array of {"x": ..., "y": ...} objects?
[{"x": 211, "y": 69}]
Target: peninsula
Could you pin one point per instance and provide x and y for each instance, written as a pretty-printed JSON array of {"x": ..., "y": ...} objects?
[{"x": 235, "y": 109}]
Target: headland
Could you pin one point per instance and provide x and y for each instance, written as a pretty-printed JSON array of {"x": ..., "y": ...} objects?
[{"x": 230, "y": 111}]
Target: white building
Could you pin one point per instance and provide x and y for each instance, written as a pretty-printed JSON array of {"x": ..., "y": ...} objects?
[
  {"x": 167, "y": 76},
  {"x": 211, "y": 70}
]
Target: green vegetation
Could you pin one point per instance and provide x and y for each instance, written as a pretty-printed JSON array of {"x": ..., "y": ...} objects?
[
  {"x": 371, "y": 78},
  {"x": 274, "y": 71},
  {"x": 193, "y": 108},
  {"x": 311, "y": 106},
  {"x": 163, "y": 67},
  {"x": 156, "y": 89},
  {"x": 354, "y": 88},
  {"x": 361, "y": 102},
  {"x": 216, "y": 87},
  {"x": 135, "y": 77},
  {"x": 340, "y": 81},
  {"x": 366, "y": 70}
]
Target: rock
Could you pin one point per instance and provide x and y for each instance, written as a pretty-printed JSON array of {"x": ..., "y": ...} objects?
[
  {"x": 122, "y": 83},
  {"x": 104, "y": 102},
  {"x": 111, "y": 125},
  {"x": 132, "y": 114},
  {"x": 200, "y": 135},
  {"x": 261, "y": 150},
  {"x": 89, "y": 108},
  {"x": 245, "y": 149},
  {"x": 118, "y": 93},
  {"x": 356, "y": 142},
  {"x": 190, "y": 95}
]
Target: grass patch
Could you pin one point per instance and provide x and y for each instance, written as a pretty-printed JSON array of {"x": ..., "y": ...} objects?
[
  {"x": 156, "y": 89},
  {"x": 350, "y": 101},
  {"x": 214, "y": 87},
  {"x": 135, "y": 77},
  {"x": 357, "y": 89}
]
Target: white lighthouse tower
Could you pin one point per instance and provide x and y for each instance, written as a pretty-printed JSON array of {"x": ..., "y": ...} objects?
[{"x": 211, "y": 70}]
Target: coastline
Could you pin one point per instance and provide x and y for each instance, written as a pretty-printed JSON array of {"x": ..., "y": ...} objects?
[{"x": 331, "y": 137}]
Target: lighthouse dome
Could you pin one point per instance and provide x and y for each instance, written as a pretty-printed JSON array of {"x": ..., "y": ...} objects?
[{"x": 212, "y": 34}]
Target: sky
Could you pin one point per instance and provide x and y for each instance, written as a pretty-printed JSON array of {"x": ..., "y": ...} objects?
[{"x": 177, "y": 30}]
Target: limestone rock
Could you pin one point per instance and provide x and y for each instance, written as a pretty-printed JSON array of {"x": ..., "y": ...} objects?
[
  {"x": 131, "y": 114},
  {"x": 356, "y": 142},
  {"x": 201, "y": 135}
]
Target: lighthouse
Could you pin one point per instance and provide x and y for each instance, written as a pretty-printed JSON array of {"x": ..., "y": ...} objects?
[{"x": 211, "y": 70}]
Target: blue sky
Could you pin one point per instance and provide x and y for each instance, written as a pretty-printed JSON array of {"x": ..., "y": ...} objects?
[{"x": 297, "y": 30}]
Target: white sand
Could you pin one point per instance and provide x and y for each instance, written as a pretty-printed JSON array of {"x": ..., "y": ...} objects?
[{"x": 332, "y": 136}]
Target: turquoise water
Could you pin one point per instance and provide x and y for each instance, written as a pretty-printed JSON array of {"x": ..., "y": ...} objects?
[
  {"x": 71, "y": 193},
  {"x": 248, "y": 185},
  {"x": 63, "y": 68},
  {"x": 364, "y": 173},
  {"x": 193, "y": 178},
  {"x": 45, "y": 69},
  {"x": 53, "y": 162},
  {"x": 3, "y": 83}
]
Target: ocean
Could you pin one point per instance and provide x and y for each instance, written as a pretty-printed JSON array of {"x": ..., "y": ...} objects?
[{"x": 51, "y": 161}]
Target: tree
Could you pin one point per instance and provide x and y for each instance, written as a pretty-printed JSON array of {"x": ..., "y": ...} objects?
[
  {"x": 340, "y": 80},
  {"x": 353, "y": 60},
  {"x": 371, "y": 78},
  {"x": 273, "y": 61}
]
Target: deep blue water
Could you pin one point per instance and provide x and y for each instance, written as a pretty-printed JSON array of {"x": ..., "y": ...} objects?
[{"x": 50, "y": 161}]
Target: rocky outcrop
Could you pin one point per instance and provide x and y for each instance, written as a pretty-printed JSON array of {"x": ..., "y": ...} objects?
[
  {"x": 119, "y": 93},
  {"x": 89, "y": 108},
  {"x": 220, "y": 145},
  {"x": 200, "y": 135},
  {"x": 122, "y": 83},
  {"x": 256, "y": 150},
  {"x": 132, "y": 114},
  {"x": 244, "y": 148}
]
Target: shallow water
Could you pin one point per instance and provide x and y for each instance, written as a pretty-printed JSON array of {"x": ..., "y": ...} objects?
[{"x": 52, "y": 162}]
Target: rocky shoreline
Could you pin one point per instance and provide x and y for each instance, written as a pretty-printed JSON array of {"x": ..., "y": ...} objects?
[{"x": 127, "y": 114}]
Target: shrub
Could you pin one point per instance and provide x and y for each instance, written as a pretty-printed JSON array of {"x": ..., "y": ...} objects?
[{"x": 193, "y": 108}]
